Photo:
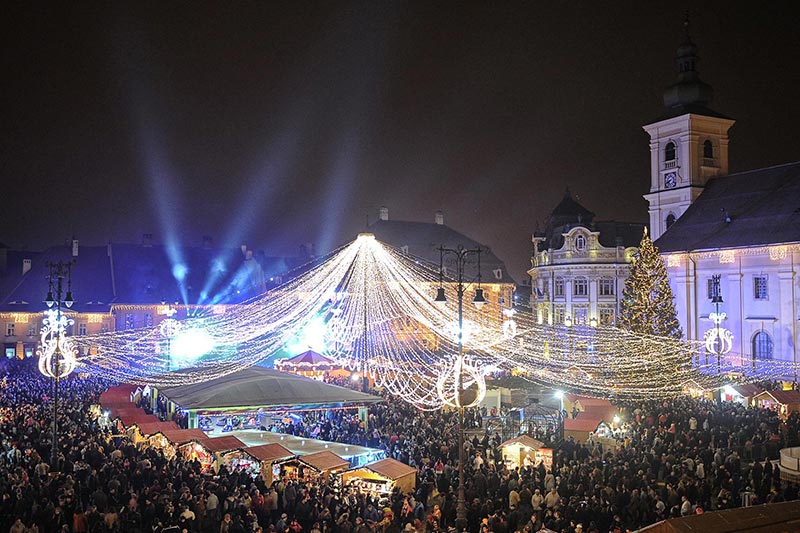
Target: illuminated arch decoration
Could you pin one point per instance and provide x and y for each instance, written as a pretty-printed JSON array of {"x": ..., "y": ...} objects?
[
  {"x": 56, "y": 350},
  {"x": 411, "y": 347}
]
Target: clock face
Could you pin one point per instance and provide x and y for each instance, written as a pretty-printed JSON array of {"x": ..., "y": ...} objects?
[{"x": 670, "y": 180}]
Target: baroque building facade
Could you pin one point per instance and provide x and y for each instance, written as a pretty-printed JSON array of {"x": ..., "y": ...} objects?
[
  {"x": 579, "y": 266},
  {"x": 742, "y": 227}
]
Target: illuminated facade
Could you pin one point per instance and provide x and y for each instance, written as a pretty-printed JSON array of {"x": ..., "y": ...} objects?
[
  {"x": 743, "y": 227},
  {"x": 127, "y": 286},
  {"x": 579, "y": 266},
  {"x": 422, "y": 240}
]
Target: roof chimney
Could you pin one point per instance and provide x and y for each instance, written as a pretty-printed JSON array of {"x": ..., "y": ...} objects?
[
  {"x": 438, "y": 217},
  {"x": 74, "y": 247},
  {"x": 207, "y": 242},
  {"x": 384, "y": 214},
  {"x": 147, "y": 239},
  {"x": 26, "y": 266}
]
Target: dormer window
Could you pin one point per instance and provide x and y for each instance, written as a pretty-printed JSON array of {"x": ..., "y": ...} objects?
[
  {"x": 580, "y": 243},
  {"x": 669, "y": 151}
]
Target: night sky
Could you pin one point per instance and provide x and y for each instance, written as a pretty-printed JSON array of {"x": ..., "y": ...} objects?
[{"x": 282, "y": 123}]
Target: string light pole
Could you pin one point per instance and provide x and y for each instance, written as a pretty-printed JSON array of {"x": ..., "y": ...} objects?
[
  {"x": 461, "y": 397},
  {"x": 56, "y": 352}
]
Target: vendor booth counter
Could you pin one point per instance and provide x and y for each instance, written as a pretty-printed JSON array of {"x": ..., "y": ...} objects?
[
  {"x": 525, "y": 451},
  {"x": 382, "y": 477},
  {"x": 267, "y": 457}
]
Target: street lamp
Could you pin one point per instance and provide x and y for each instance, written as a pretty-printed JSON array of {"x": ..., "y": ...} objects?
[
  {"x": 461, "y": 398},
  {"x": 57, "y": 354},
  {"x": 716, "y": 299}
]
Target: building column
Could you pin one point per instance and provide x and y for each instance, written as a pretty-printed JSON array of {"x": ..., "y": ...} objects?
[
  {"x": 734, "y": 310},
  {"x": 785, "y": 342}
]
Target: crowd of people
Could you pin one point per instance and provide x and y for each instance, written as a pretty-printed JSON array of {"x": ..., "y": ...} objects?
[{"x": 673, "y": 458}]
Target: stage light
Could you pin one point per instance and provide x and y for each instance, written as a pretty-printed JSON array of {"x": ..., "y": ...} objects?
[{"x": 191, "y": 344}]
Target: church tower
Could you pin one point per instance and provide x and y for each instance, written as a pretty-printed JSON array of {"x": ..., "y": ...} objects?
[{"x": 688, "y": 144}]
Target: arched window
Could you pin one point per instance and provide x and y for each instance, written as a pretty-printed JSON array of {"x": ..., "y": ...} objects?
[
  {"x": 708, "y": 150},
  {"x": 762, "y": 345},
  {"x": 670, "y": 220},
  {"x": 580, "y": 242},
  {"x": 669, "y": 152}
]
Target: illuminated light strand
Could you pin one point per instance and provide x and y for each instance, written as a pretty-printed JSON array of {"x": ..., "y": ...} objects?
[{"x": 412, "y": 341}]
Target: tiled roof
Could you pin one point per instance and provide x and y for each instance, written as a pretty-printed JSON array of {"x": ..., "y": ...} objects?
[
  {"x": 423, "y": 239},
  {"x": 141, "y": 274},
  {"x": 569, "y": 214},
  {"x": 754, "y": 208}
]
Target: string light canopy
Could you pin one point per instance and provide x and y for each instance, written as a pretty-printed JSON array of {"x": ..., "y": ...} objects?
[{"x": 411, "y": 320}]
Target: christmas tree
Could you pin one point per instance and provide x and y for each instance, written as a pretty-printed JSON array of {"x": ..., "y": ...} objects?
[{"x": 647, "y": 304}]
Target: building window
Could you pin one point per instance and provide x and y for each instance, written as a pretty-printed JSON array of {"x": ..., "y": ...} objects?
[
  {"x": 762, "y": 345},
  {"x": 148, "y": 320},
  {"x": 9, "y": 353},
  {"x": 81, "y": 329},
  {"x": 11, "y": 329},
  {"x": 606, "y": 316},
  {"x": 559, "y": 288},
  {"x": 580, "y": 243},
  {"x": 669, "y": 151},
  {"x": 710, "y": 288},
  {"x": 580, "y": 287},
  {"x": 708, "y": 150},
  {"x": 129, "y": 322},
  {"x": 580, "y": 315},
  {"x": 607, "y": 287},
  {"x": 104, "y": 328},
  {"x": 545, "y": 314},
  {"x": 32, "y": 330},
  {"x": 559, "y": 314},
  {"x": 670, "y": 220},
  {"x": 760, "y": 287}
]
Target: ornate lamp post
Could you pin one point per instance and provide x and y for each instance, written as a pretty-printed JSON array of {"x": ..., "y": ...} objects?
[
  {"x": 57, "y": 355},
  {"x": 460, "y": 394}
]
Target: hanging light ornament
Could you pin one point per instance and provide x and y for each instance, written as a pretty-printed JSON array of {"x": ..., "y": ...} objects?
[{"x": 55, "y": 350}]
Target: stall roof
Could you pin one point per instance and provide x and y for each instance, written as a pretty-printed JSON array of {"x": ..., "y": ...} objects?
[
  {"x": 182, "y": 436},
  {"x": 151, "y": 428},
  {"x": 269, "y": 452},
  {"x": 324, "y": 461},
  {"x": 784, "y": 517},
  {"x": 264, "y": 387},
  {"x": 747, "y": 390},
  {"x": 784, "y": 397},
  {"x": 223, "y": 444},
  {"x": 524, "y": 440},
  {"x": 581, "y": 423},
  {"x": 391, "y": 468},
  {"x": 136, "y": 419}
]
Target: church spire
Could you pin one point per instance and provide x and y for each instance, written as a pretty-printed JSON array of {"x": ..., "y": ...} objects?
[{"x": 689, "y": 89}]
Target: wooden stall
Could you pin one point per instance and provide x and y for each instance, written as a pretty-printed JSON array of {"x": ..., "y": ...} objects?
[
  {"x": 381, "y": 478},
  {"x": 314, "y": 466},
  {"x": 525, "y": 450},
  {"x": 784, "y": 402},
  {"x": 172, "y": 441},
  {"x": 267, "y": 456},
  {"x": 742, "y": 394},
  {"x": 217, "y": 447},
  {"x": 141, "y": 432}
]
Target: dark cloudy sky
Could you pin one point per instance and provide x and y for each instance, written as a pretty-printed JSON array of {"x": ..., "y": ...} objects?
[{"x": 281, "y": 123}]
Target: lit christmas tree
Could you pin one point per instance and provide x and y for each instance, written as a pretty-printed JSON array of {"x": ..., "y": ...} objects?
[{"x": 647, "y": 304}]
